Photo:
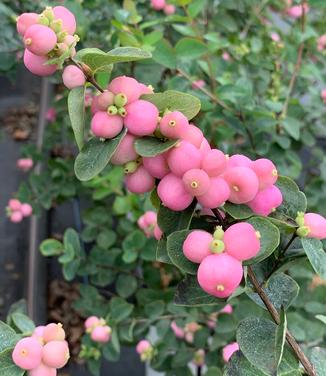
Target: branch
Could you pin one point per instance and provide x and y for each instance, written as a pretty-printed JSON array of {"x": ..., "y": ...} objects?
[
  {"x": 87, "y": 73},
  {"x": 273, "y": 312}
]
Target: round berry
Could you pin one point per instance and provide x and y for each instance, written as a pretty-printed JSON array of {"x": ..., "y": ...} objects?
[
  {"x": 150, "y": 218},
  {"x": 157, "y": 166},
  {"x": 104, "y": 100},
  {"x": 16, "y": 217},
  {"x": 42, "y": 370},
  {"x": 183, "y": 157},
  {"x": 125, "y": 152},
  {"x": 55, "y": 354},
  {"x": 127, "y": 86},
  {"x": 217, "y": 194},
  {"x": 242, "y": 241},
  {"x": 158, "y": 4},
  {"x": 25, "y": 164},
  {"x": 91, "y": 322},
  {"x": 169, "y": 9},
  {"x": 178, "y": 332},
  {"x": 157, "y": 232},
  {"x": 140, "y": 181},
  {"x": 26, "y": 210},
  {"x": 214, "y": 162},
  {"x": 54, "y": 332},
  {"x": 39, "y": 332},
  {"x": 106, "y": 126},
  {"x": 316, "y": 225},
  {"x": 204, "y": 147},
  {"x": 25, "y": 20},
  {"x": 173, "y": 194},
  {"x": 239, "y": 160},
  {"x": 219, "y": 274},
  {"x": 142, "y": 346},
  {"x": 228, "y": 309},
  {"x": 101, "y": 334},
  {"x": 73, "y": 77},
  {"x": 27, "y": 353},
  {"x": 95, "y": 106},
  {"x": 141, "y": 118},
  {"x": 196, "y": 182},
  {"x": 265, "y": 171},
  {"x": 228, "y": 351},
  {"x": 14, "y": 204},
  {"x": 40, "y": 39},
  {"x": 36, "y": 64},
  {"x": 266, "y": 201},
  {"x": 243, "y": 183},
  {"x": 68, "y": 19},
  {"x": 174, "y": 125},
  {"x": 197, "y": 245},
  {"x": 193, "y": 135}
]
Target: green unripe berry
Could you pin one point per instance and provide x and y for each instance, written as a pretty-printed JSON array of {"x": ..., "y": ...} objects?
[
  {"x": 130, "y": 167},
  {"x": 43, "y": 20},
  {"x": 218, "y": 233},
  {"x": 48, "y": 13},
  {"x": 120, "y": 100},
  {"x": 61, "y": 36},
  {"x": 217, "y": 246},
  {"x": 303, "y": 231},
  {"x": 56, "y": 26},
  {"x": 112, "y": 110},
  {"x": 300, "y": 219},
  {"x": 122, "y": 112}
]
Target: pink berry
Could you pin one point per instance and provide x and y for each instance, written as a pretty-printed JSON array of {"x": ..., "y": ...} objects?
[
  {"x": 140, "y": 181},
  {"x": 214, "y": 162},
  {"x": 198, "y": 84},
  {"x": 127, "y": 86},
  {"x": 16, "y": 217},
  {"x": 141, "y": 118},
  {"x": 243, "y": 183},
  {"x": 157, "y": 232},
  {"x": 228, "y": 309},
  {"x": 14, "y": 204},
  {"x": 173, "y": 194},
  {"x": 142, "y": 346},
  {"x": 265, "y": 171},
  {"x": 183, "y": 157},
  {"x": 323, "y": 95},
  {"x": 68, "y": 19},
  {"x": 36, "y": 64},
  {"x": 158, "y": 4},
  {"x": 204, "y": 147},
  {"x": 228, "y": 351},
  {"x": 275, "y": 37},
  {"x": 73, "y": 77},
  {"x": 26, "y": 210},
  {"x": 266, "y": 201},
  {"x": 40, "y": 39},
  {"x": 157, "y": 166},
  {"x": 193, "y": 135},
  {"x": 25, "y": 20},
  {"x": 178, "y": 332},
  {"x": 226, "y": 56},
  {"x": 38, "y": 332},
  {"x": 106, "y": 126},
  {"x": 101, "y": 334},
  {"x": 242, "y": 241},
  {"x": 316, "y": 225},
  {"x": 91, "y": 322},
  {"x": 321, "y": 43},
  {"x": 55, "y": 354},
  {"x": 219, "y": 274},
  {"x": 145, "y": 89},
  {"x": 54, "y": 332},
  {"x": 125, "y": 152},
  {"x": 218, "y": 193},
  {"x": 239, "y": 160},
  {"x": 196, "y": 246},
  {"x": 150, "y": 218},
  {"x": 95, "y": 106},
  {"x": 196, "y": 182},
  {"x": 43, "y": 370},
  {"x": 104, "y": 100},
  {"x": 174, "y": 125},
  {"x": 25, "y": 164},
  {"x": 169, "y": 9},
  {"x": 51, "y": 114},
  {"x": 27, "y": 353},
  {"x": 296, "y": 11}
]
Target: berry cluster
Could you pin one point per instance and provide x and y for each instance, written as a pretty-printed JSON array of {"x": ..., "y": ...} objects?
[
  {"x": 98, "y": 329},
  {"x": 145, "y": 350},
  {"x": 44, "y": 352},
  {"x": 220, "y": 255},
  {"x": 168, "y": 9},
  {"x": 148, "y": 223},
  {"x": 16, "y": 210},
  {"x": 46, "y": 36},
  {"x": 296, "y": 11},
  {"x": 25, "y": 164}
]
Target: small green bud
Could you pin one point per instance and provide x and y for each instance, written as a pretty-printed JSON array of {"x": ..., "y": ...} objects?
[
  {"x": 48, "y": 13},
  {"x": 61, "y": 36},
  {"x": 112, "y": 110},
  {"x": 300, "y": 219},
  {"x": 303, "y": 231},
  {"x": 120, "y": 100},
  {"x": 122, "y": 112},
  {"x": 130, "y": 167},
  {"x": 217, "y": 246},
  {"x": 43, "y": 20},
  {"x": 218, "y": 233},
  {"x": 56, "y": 26}
]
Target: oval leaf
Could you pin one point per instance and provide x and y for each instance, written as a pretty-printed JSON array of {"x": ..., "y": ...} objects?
[
  {"x": 238, "y": 211},
  {"x": 152, "y": 146},
  {"x": 76, "y": 110},
  {"x": 316, "y": 255}
]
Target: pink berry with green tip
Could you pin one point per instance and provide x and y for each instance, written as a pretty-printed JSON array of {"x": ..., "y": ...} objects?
[
  {"x": 27, "y": 353},
  {"x": 173, "y": 194},
  {"x": 73, "y": 77},
  {"x": 242, "y": 241},
  {"x": 266, "y": 201},
  {"x": 219, "y": 275},
  {"x": 197, "y": 245},
  {"x": 101, "y": 334},
  {"x": 42, "y": 370},
  {"x": 125, "y": 152},
  {"x": 229, "y": 350},
  {"x": 157, "y": 166},
  {"x": 68, "y": 19},
  {"x": 193, "y": 135},
  {"x": 106, "y": 126},
  {"x": 174, "y": 125},
  {"x": 140, "y": 181},
  {"x": 217, "y": 194},
  {"x": 316, "y": 225},
  {"x": 141, "y": 118},
  {"x": 142, "y": 346},
  {"x": 25, "y": 20},
  {"x": 40, "y": 39},
  {"x": 183, "y": 157},
  {"x": 196, "y": 182},
  {"x": 214, "y": 162},
  {"x": 26, "y": 210},
  {"x": 127, "y": 86},
  {"x": 37, "y": 64},
  {"x": 55, "y": 354},
  {"x": 265, "y": 171},
  {"x": 243, "y": 183}
]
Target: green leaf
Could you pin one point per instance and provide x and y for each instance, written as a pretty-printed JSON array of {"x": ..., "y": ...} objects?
[
  {"x": 97, "y": 60},
  {"x": 95, "y": 155},
  {"x": 51, "y": 247},
  {"x": 292, "y": 126},
  {"x": 8, "y": 337},
  {"x": 70, "y": 269},
  {"x": 164, "y": 54},
  {"x": 126, "y": 285},
  {"x": 269, "y": 240},
  {"x": 316, "y": 255},
  {"x": 190, "y": 294},
  {"x": 175, "y": 101},
  {"x": 281, "y": 290},
  {"x": 162, "y": 252},
  {"x": 120, "y": 309},
  {"x": 8, "y": 368},
  {"x": 71, "y": 238},
  {"x": 111, "y": 350},
  {"x": 238, "y": 211},
  {"x": 238, "y": 365},
  {"x": 190, "y": 48},
  {"x": 170, "y": 221},
  {"x": 152, "y": 146},
  {"x": 174, "y": 247},
  {"x": 322, "y": 318},
  {"x": 318, "y": 359},
  {"x": 154, "y": 309},
  {"x": 280, "y": 337},
  {"x": 23, "y": 323},
  {"x": 76, "y": 110}
]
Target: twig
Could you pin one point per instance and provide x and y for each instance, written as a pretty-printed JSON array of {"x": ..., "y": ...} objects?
[
  {"x": 273, "y": 312},
  {"x": 87, "y": 73},
  {"x": 220, "y": 218}
]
